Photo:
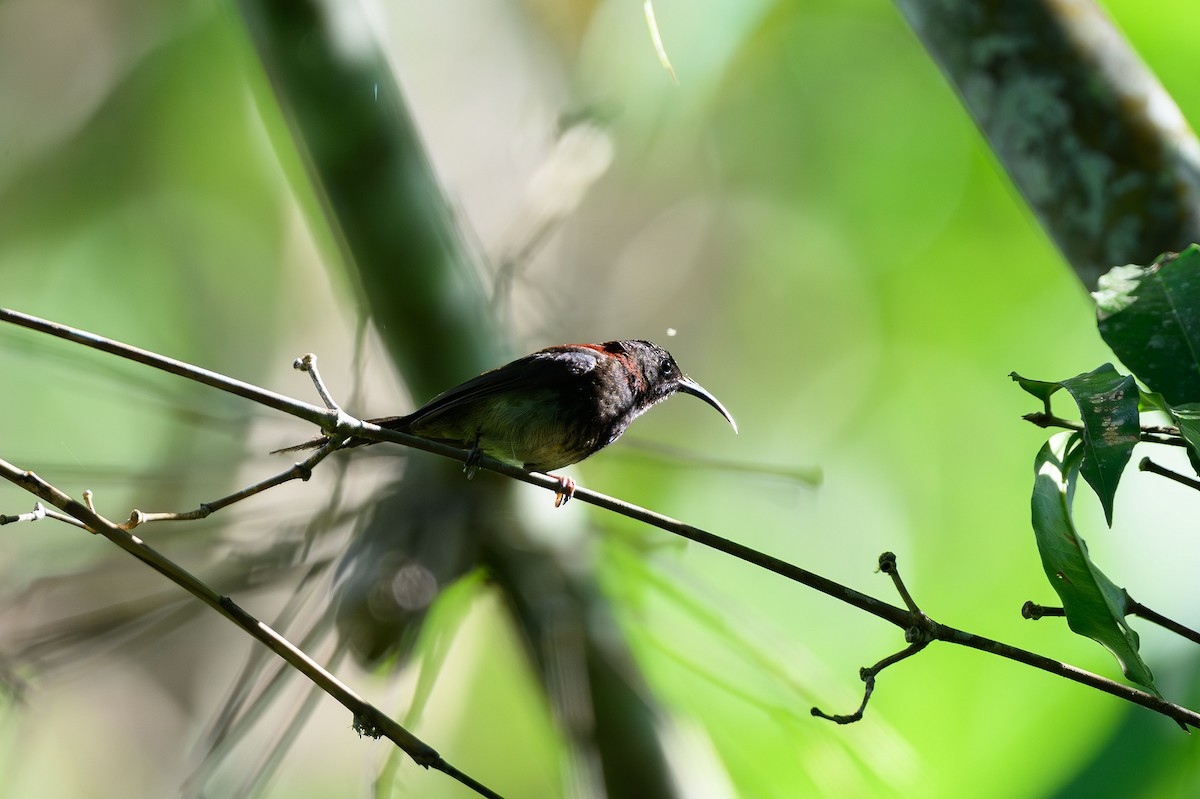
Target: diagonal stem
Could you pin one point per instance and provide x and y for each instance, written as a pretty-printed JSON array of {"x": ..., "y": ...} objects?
[
  {"x": 368, "y": 719},
  {"x": 340, "y": 425}
]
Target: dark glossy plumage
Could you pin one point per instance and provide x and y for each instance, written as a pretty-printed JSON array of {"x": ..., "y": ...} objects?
[{"x": 554, "y": 407}]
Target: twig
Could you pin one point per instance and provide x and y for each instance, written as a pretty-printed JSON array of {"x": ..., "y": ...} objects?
[
  {"x": 1151, "y": 434},
  {"x": 308, "y": 363},
  {"x": 918, "y": 636},
  {"x": 1034, "y": 611},
  {"x": 868, "y": 675},
  {"x": 1180, "y": 714},
  {"x": 323, "y": 418},
  {"x": 38, "y": 513},
  {"x": 1133, "y": 608},
  {"x": 888, "y": 565},
  {"x": 299, "y": 471},
  {"x": 1147, "y": 465},
  {"x": 921, "y": 627},
  {"x": 1153, "y": 616},
  {"x": 904, "y": 619},
  {"x": 368, "y": 719},
  {"x": 337, "y": 424}
]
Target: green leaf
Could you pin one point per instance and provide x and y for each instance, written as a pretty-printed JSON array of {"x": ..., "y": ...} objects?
[
  {"x": 1150, "y": 317},
  {"x": 1094, "y": 606},
  {"x": 1149, "y": 401},
  {"x": 1108, "y": 407},
  {"x": 1038, "y": 388},
  {"x": 1187, "y": 419}
]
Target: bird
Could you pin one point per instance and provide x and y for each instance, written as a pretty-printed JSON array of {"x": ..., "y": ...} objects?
[{"x": 549, "y": 409}]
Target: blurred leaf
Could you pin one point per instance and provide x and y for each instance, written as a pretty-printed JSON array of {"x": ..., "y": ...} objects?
[
  {"x": 1108, "y": 408},
  {"x": 1150, "y": 316},
  {"x": 656, "y": 38},
  {"x": 1094, "y": 606}
]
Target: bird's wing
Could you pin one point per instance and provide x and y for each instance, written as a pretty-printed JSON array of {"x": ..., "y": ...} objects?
[{"x": 543, "y": 369}]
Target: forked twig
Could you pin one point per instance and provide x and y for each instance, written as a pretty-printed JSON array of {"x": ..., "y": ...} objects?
[
  {"x": 918, "y": 637},
  {"x": 368, "y": 719},
  {"x": 40, "y": 512}
]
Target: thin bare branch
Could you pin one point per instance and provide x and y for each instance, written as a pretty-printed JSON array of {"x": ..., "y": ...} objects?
[
  {"x": 1153, "y": 616},
  {"x": 299, "y": 471},
  {"x": 368, "y": 720},
  {"x": 1151, "y": 434},
  {"x": 1034, "y": 612},
  {"x": 40, "y": 512},
  {"x": 868, "y": 676},
  {"x": 916, "y": 624},
  {"x": 323, "y": 418},
  {"x": 308, "y": 363},
  {"x": 1147, "y": 465},
  {"x": 887, "y": 565}
]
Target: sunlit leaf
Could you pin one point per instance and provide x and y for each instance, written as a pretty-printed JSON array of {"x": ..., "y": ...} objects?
[
  {"x": 1108, "y": 407},
  {"x": 1094, "y": 606},
  {"x": 1187, "y": 419},
  {"x": 1041, "y": 389},
  {"x": 1150, "y": 317},
  {"x": 1152, "y": 401}
]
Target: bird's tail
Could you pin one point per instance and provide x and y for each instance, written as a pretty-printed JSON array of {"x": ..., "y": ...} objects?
[{"x": 390, "y": 422}]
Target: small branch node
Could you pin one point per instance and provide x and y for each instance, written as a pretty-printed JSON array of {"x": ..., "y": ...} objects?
[
  {"x": 1046, "y": 419},
  {"x": 304, "y": 470},
  {"x": 888, "y": 565},
  {"x": 887, "y": 562},
  {"x": 136, "y": 517},
  {"x": 1034, "y": 611},
  {"x": 87, "y": 500},
  {"x": 308, "y": 363},
  {"x": 920, "y": 633},
  {"x": 345, "y": 426}
]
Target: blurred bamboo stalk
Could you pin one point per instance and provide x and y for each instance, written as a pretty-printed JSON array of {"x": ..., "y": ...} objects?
[
  {"x": 1092, "y": 140},
  {"x": 426, "y": 293}
]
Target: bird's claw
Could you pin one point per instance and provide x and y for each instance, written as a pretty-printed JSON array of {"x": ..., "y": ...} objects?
[
  {"x": 474, "y": 456},
  {"x": 563, "y": 496}
]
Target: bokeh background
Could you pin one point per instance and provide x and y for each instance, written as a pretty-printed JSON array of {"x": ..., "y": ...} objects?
[{"x": 808, "y": 220}]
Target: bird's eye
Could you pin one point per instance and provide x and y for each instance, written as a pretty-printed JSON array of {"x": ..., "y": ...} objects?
[{"x": 666, "y": 366}]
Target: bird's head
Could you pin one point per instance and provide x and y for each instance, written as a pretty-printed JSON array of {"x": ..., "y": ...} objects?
[{"x": 659, "y": 376}]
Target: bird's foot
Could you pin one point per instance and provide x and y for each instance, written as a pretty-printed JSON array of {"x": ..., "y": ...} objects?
[
  {"x": 474, "y": 456},
  {"x": 566, "y": 492}
]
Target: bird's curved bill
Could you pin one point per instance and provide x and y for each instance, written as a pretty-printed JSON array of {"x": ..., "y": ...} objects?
[{"x": 689, "y": 386}]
